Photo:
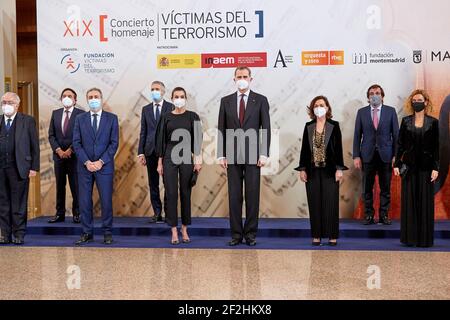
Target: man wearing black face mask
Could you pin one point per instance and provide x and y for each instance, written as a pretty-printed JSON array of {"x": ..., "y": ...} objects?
[{"x": 374, "y": 145}]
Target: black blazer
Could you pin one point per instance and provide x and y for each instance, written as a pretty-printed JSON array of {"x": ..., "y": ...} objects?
[
  {"x": 55, "y": 135},
  {"x": 149, "y": 126},
  {"x": 26, "y": 144},
  {"x": 256, "y": 117},
  {"x": 428, "y": 151},
  {"x": 333, "y": 142}
]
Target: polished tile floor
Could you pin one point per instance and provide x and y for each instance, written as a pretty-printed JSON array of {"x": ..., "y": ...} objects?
[{"x": 91, "y": 273}]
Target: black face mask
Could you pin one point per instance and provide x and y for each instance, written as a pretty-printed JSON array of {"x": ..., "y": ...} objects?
[{"x": 418, "y": 106}]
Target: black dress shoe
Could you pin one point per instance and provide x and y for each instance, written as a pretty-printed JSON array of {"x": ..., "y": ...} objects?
[
  {"x": 316, "y": 243},
  {"x": 369, "y": 221},
  {"x": 84, "y": 239},
  {"x": 4, "y": 240},
  {"x": 56, "y": 219},
  {"x": 234, "y": 242},
  {"x": 332, "y": 243},
  {"x": 385, "y": 220},
  {"x": 250, "y": 242},
  {"x": 18, "y": 241},
  {"x": 108, "y": 239},
  {"x": 156, "y": 219},
  {"x": 76, "y": 218}
]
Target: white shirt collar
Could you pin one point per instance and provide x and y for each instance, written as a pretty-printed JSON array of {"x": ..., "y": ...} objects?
[
  {"x": 70, "y": 110},
  {"x": 99, "y": 113},
  {"x": 12, "y": 118},
  {"x": 379, "y": 108},
  {"x": 245, "y": 93}
]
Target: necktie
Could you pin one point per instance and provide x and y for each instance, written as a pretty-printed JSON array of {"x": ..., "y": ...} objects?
[
  {"x": 94, "y": 122},
  {"x": 66, "y": 123},
  {"x": 157, "y": 113},
  {"x": 242, "y": 110},
  {"x": 8, "y": 124},
  {"x": 375, "y": 118}
]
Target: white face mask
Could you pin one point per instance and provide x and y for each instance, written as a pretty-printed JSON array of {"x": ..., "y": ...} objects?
[
  {"x": 242, "y": 84},
  {"x": 320, "y": 112},
  {"x": 179, "y": 103},
  {"x": 7, "y": 109},
  {"x": 67, "y": 102}
]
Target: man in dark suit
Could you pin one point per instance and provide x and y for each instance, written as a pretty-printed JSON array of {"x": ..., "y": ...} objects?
[
  {"x": 374, "y": 145},
  {"x": 60, "y": 134},
  {"x": 95, "y": 141},
  {"x": 151, "y": 114},
  {"x": 19, "y": 160},
  {"x": 243, "y": 148}
]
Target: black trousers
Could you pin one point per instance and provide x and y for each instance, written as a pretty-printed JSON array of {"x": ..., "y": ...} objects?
[
  {"x": 322, "y": 192},
  {"x": 66, "y": 169},
  {"x": 13, "y": 203},
  {"x": 153, "y": 184},
  {"x": 384, "y": 171},
  {"x": 251, "y": 176},
  {"x": 177, "y": 177}
]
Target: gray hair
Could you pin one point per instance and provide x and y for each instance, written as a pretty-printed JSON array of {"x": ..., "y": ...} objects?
[
  {"x": 94, "y": 89},
  {"x": 160, "y": 83},
  {"x": 14, "y": 95}
]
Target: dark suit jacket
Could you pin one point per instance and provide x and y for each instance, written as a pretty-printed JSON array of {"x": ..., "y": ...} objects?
[
  {"x": 257, "y": 117},
  {"x": 428, "y": 151},
  {"x": 93, "y": 147},
  {"x": 55, "y": 135},
  {"x": 26, "y": 144},
  {"x": 147, "y": 140},
  {"x": 366, "y": 138},
  {"x": 333, "y": 141}
]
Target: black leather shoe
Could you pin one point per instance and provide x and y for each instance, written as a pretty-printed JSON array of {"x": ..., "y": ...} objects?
[
  {"x": 250, "y": 242},
  {"x": 18, "y": 241},
  {"x": 4, "y": 240},
  {"x": 56, "y": 218},
  {"x": 369, "y": 221},
  {"x": 108, "y": 239},
  {"x": 385, "y": 220},
  {"x": 76, "y": 218},
  {"x": 156, "y": 219},
  {"x": 84, "y": 239},
  {"x": 332, "y": 243},
  {"x": 316, "y": 243},
  {"x": 234, "y": 242}
]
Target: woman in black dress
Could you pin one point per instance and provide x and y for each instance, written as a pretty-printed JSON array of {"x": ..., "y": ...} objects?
[
  {"x": 321, "y": 168},
  {"x": 178, "y": 148},
  {"x": 417, "y": 160}
]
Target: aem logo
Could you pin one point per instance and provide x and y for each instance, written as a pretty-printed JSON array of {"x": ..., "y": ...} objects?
[{"x": 219, "y": 60}]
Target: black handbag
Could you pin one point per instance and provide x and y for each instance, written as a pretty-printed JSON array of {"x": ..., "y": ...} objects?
[{"x": 194, "y": 178}]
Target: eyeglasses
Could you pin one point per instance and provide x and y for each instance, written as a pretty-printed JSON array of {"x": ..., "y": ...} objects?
[{"x": 11, "y": 103}]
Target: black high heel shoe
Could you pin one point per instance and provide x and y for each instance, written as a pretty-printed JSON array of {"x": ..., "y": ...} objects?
[
  {"x": 316, "y": 243},
  {"x": 175, "y": 242},
  {"x": 332, "y": 243}
]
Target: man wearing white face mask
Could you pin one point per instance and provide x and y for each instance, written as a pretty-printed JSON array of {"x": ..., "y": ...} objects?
[
  {"x": 60, "y": 134},
  {"x": 19, "y": 160},
  {"x": 150, "y": 118},
  {"x": 243, "y": 148},
  {"x": 374, "y": 148},
  {"x": 95, "y": 141}
]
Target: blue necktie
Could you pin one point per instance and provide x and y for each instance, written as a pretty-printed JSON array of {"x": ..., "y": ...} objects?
[
  {"x": 94, "y": 123},
  {"x": 8, "y": 124},
  {"x": 157, "y": 114}
]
